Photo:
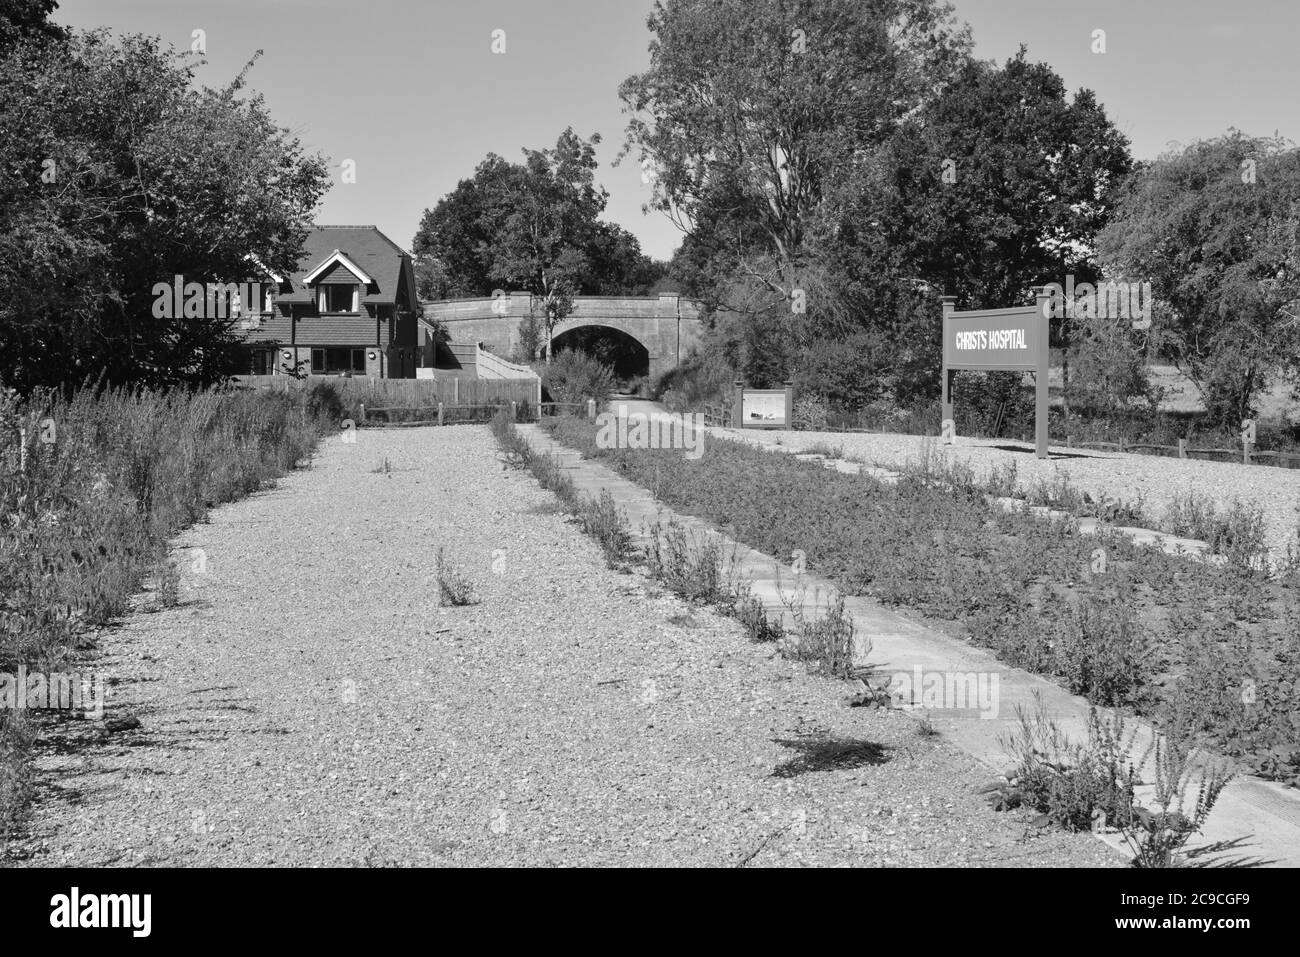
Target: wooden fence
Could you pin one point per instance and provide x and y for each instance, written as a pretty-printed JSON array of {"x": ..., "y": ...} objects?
[
  {"x": 1248, "y": 454},
  {"x": 409, "y": 393},
  {"x": 443, "y": 413}
]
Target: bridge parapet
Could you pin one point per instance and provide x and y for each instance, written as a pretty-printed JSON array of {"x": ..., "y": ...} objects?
[{"x": 666, "y": 325}]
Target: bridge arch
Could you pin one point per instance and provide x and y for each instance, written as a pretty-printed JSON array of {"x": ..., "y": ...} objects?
[
  {"x": 611, "y": 342},
  {"x": 666, "y": 326}
]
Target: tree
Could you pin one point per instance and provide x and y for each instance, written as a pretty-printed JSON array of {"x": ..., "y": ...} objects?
[
  {"x": 127, "y": 175},
  {"x": 28, "y": 21},
  {"x": 999, "y": 183},
  {"x": 750, "y": 111},
  {"x": 1215, "y": 228},
  {"x": 534, "y": 226}
]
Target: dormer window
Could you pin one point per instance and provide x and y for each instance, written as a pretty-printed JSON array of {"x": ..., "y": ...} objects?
[
  {"x": 338, "y": 281},
  {"x": 336, "y": 297}
]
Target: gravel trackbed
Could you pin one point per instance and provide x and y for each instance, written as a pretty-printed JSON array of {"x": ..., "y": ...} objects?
[{"x": 309, "y": 703}]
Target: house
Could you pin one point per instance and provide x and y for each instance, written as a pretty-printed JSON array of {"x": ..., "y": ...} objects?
[{"x": 350, "y": 308}]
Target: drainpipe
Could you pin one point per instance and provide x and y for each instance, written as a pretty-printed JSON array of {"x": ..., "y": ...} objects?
[{"x": 679, "y": 330}]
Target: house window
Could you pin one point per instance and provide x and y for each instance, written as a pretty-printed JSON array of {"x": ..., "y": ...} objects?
[
  {"x": 262, "y": 362},
  {"x": 337, "y": 298},
  {"x": 338, "y": 361}
]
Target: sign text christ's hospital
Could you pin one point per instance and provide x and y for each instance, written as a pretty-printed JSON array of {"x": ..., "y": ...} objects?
[{"x": 991, "y": 339}]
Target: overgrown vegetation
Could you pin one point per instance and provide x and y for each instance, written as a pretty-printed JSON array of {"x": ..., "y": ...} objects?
[
  {"x": 576, "y": 377},
  {"x": 1211, "y": 650},
  {"x": 93, "y": 486},
  {"x": 697, "y": 568},
  {"x": 1094, "y": 787}
]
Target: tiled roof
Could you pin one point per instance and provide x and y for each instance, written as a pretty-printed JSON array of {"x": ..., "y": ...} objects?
[{"x": 370, "y": 249}]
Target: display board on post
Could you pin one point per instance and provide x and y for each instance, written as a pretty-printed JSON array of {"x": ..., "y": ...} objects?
[
  {"x": 763, "y": 408},
  {"x": 999, "y": 340}
]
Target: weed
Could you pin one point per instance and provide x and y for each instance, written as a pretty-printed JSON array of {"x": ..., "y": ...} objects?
[
  {"x": 689, "y": 566},
  {"x": 1237, "y": 534},
  {"x": 1098, "y": 649},
  {"x": 827, "y": 641},
  {"x": 1158, "y": 837},
  {"x": 759, "y": 626},
  {"x": 603, "y": 521},
  {"x": 826, "y": 450},
  {"x": 168, "y": 589},
  {"x": 1075, "y": 786},
  {"x": 454, "y": 589}
]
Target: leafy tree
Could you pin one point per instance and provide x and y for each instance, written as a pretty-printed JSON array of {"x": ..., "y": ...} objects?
[
  {"x": 28, "y": 20},
  {"x": 1215, "y": 228},
  {"x": 534, "y": 226},
  {"x": 750, "y": 111},
  {"x": 999, "y": 183},
  {"x": 120, "y": 174}
]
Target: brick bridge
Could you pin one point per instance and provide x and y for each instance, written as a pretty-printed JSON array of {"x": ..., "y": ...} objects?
[{"x": 666, "y": 326}]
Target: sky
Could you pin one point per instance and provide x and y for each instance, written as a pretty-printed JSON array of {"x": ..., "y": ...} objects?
[{"x": 412, "y": 93}]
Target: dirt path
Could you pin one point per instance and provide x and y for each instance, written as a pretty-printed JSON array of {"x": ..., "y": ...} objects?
[{"x": 310, "y": 703}]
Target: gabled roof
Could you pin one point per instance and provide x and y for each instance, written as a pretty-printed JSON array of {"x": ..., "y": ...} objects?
[
  {"x": 364, "y": 250},
  {"x": 338, "y": 256}
]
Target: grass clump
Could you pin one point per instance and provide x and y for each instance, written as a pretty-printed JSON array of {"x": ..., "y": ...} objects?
[
  {"x": 826, "y": 641},
  {"x": 168, "y": 589},
  {"x": 603, "y": 521},
  {"x": 454, "y": 587}
]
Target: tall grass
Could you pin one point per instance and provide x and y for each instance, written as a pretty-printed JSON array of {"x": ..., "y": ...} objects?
[{"x": 93, "y": 485}]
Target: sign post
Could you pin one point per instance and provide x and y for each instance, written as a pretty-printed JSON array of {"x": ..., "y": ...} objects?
[
  {"x": 999, "y": 340},
  {"x": 763, "y": 408}
]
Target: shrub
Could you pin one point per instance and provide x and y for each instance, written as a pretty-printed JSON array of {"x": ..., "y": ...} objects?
[
  {"x": 810, "y": 413},
  {"x": 575, "y": 377},
  {"x": 759, "y": 627},
  {"x": 325, "y": 403}
]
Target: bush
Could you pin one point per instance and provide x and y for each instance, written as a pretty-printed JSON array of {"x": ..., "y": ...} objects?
[
  {"x": 325, "y": 403},
  {"x": 575, "y": 377},
  {"x": 698, "y": 381},
  {"x": 810, "y": 413}
]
